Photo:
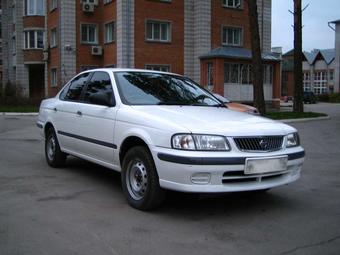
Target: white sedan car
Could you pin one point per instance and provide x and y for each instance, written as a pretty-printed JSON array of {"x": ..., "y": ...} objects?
[{"x": 163, "y": 131}]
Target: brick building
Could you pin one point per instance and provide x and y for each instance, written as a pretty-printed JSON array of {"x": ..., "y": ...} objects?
[{"x": 207, "y": 40}]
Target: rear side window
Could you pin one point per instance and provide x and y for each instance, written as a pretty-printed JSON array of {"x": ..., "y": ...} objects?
[
  {"x": 75, "y": 88},
  {"x": 100, "y": 84}
]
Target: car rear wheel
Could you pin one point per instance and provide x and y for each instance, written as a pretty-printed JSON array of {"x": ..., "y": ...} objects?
[
  {"x": 54, "y": 156},
  {"x": 140, "y": 181}
]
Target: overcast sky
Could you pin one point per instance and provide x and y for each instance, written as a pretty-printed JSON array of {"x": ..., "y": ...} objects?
[{"x": 316, "y": 33}]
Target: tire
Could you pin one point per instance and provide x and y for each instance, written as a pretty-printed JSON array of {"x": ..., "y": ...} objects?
[
  {"x": 54, "y": 156},
  {"x": 140, "y": 181}
]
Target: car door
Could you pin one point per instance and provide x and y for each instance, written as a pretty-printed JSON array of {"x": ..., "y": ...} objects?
[
  {"x": 98, "y": 118},
  {"x": 67, "y": 113}
]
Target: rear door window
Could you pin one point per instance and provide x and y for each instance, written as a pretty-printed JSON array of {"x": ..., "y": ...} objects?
[
  {"x": 100, "y": 84},
  {"x": 75, "y": 88}
]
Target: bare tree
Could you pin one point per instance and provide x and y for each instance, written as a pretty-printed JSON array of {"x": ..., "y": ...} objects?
[
  {"x": 298, "y": 89},
  {"x": 256, "y": 57}
]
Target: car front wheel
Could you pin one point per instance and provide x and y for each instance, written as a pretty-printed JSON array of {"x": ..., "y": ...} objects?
[
  {"x": 140, "y": 181},
  {"x": 54, "y": 156}
]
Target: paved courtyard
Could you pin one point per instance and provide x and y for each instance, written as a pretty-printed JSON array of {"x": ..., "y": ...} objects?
[{"x": 80, "y": 209}]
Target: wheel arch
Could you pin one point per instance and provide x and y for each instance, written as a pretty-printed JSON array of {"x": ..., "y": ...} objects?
[
  {"x": 47, "y": 127},
  {"x": 130, "y": 142}
]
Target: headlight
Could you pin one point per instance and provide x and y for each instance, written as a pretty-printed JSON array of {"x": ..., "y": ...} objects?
[
  {"x": 200, "y": 142},
  {"x": 292, "y": 140}
]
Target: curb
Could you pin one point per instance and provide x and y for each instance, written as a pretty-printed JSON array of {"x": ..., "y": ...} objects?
[
  {"x": 305, "y": 119},
  {"x": 19, "y": 113}
]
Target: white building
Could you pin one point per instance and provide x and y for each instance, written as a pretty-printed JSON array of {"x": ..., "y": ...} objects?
[{"x": 319, "y": 71}]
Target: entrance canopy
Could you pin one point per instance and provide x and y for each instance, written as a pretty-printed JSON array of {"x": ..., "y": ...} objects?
[{"x": 238, "y": 53}]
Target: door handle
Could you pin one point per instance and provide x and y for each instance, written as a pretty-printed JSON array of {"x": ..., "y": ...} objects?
[{"x": 79, "y": 113}]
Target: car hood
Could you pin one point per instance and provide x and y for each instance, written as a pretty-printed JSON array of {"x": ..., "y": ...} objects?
[{"x": 212, "y": 120}]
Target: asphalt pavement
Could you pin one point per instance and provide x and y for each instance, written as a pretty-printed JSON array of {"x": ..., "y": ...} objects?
[{"x": 80, "y": 209}]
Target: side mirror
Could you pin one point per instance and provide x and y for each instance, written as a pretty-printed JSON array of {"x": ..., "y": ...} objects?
[{"x": 103, "y": 99}]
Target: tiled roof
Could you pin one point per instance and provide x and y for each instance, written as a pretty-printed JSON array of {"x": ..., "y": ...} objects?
[
  {"x": 335, "y": 21},
  {"x": 239, "y": 53},
  {"x": 328, "y": 55}
]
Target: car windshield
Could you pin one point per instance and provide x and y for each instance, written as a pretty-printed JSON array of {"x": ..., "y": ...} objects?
[
  {"x": 147, "y": 88},
  {"x": 222, "y": 99}
]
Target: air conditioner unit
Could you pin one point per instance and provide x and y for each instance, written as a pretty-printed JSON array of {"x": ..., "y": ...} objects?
[
  {"x": 88, "y": 7},
  {"x": 97, "y": 50}
]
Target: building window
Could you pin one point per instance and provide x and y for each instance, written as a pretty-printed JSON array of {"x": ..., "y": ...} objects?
[
  {"x": 267, "y": 74},
  {"x": 320, "y": 82},
  {"x": 89, "y": 33},
  {"x": 54, "y": 38},
  {"x": 53, "y": 4},
  {"x": 14, "y": 45},
  {"x": 34, "y": 39},
  {"x": 242, "y": 74},
  {"x": 306, "y": 81},
  {"x": 232, "y": 3},
  {"x": 331, "y": 75},
  {"x": 210, "y": 69},
  {"x": 158, "y": 31},
  {"x": 54, "y": 77},
  {"x": 232, "y": 36},
  {"x": 107, "y": 1},
  {"x": 237, "y": 73},
  {"x": 109, "y": 32},
  {"x": 162, "y": 68},
  {"x": 34, "y": 7}
]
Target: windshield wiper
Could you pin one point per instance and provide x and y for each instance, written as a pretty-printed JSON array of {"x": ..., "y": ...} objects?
[
  {"x": 219, "y": 105},
  {"x": 172, "y": 103}
]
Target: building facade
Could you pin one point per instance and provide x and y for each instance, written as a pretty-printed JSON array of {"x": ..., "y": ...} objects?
[
  {"x": 337, "y": 55},
  {"x": 180, "y": 36},
  {"x": 23, "y": 30},
  {"x": 318, "y": 69}
]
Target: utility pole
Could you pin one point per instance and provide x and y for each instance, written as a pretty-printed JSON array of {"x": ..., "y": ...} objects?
[
  {"x": 298, "y": 89},
  {"x": 256, "y": 57}
]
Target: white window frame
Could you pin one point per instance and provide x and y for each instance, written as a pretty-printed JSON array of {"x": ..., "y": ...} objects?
[
  {"x": 225, "y": 38},
  {"x": 54, "y": 37},
  {"x": 54, "y": 77},
  {"x": 53, "y": 4},
  {"x": 27, "y": 37},
  {"x": 29, "y": 11},
  {"x": 158, "y": 67},
  {"x": 236, "y": 4},
  {"x": 160, "y": 23},
  {"x": 320, "y": 82},
  {"x": 95, "y": 33},
  {"x": 106, "y": 30}
]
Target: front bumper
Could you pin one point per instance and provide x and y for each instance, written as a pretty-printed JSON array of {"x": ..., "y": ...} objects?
[{"x": 177, "y": 169}]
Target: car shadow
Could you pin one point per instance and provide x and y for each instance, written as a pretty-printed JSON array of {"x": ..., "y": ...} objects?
[{"x": 190, "y": 206}]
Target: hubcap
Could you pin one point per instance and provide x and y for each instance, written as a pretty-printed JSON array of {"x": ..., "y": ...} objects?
[
  {"x": 51, "y": 147},
  {"x": 137, "y": 180}
]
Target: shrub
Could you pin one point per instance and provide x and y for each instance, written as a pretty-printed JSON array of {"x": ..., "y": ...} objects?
[
  {"x": 334, "y": 98},
  {"x": 323, "y": 97}
]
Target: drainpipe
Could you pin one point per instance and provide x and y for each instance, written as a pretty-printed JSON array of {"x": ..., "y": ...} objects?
[{"x": 128, "y": 41}]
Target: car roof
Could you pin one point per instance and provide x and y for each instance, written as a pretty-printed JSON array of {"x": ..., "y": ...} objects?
[{"x": 115, "y": 70}]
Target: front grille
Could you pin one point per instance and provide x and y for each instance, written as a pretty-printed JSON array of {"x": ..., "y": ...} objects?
[
  {"x": 263, "y": 143},
  {"x": 239, "y": 177}
]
